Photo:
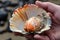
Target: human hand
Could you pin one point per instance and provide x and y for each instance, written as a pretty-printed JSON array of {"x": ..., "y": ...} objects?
[{"x": 54, "y": 32}]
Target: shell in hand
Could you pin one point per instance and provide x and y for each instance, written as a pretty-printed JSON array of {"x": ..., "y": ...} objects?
[{"x": 30, "y": 18}]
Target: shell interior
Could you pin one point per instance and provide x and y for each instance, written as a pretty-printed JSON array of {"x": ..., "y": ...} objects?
[{"x": 21, "y": 15}]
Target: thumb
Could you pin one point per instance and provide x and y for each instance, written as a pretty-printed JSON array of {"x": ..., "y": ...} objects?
[
  {"x": 48, "y": 6},
  {"x": 38, "y": 37}
]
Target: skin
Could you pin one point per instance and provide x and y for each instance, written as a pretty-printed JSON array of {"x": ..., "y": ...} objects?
[{"x": 54, "y": 32}]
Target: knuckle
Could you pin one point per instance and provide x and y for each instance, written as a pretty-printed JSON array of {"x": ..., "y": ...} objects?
[{"x": 48, "y": 2}]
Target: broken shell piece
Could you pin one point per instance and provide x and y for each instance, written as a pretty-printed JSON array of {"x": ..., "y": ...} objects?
[{"x": 30, "y": 18}]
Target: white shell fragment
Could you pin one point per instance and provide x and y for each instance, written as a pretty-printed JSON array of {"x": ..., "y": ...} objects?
[{"x": 21, "y": 15}]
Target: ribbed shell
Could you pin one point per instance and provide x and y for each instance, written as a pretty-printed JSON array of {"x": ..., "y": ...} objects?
[{"x": 21, "y": 15}]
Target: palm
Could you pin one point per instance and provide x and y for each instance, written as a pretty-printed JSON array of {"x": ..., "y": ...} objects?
[
  {"x": 54, "y": 32},
  {"x": 55, "y": 28}
]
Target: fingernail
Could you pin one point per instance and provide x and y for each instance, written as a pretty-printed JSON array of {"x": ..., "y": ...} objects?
[
  {"x": 36, "y": 36},
  {"x": 38, "y": 2}
]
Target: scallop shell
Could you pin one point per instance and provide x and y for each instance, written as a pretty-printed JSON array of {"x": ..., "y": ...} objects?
[{"x": 21, "y": 15}]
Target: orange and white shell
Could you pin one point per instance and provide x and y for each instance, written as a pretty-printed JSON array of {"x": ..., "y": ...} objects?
[{"x": 21, "y": 15}]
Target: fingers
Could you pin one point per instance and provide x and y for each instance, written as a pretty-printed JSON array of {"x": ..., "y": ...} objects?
[
  {"x": 38, "y": 37},
  {"x": 54, "y": 19},
  {"x": 48, "y": 6}
]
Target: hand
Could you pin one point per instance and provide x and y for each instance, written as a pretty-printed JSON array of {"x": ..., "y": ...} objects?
[{"x": 54, "y": 32}]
